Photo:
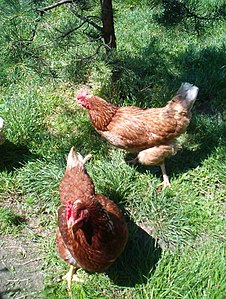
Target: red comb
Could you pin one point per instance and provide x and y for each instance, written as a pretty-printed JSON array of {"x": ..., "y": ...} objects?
[{"x": 82, "y": 94}]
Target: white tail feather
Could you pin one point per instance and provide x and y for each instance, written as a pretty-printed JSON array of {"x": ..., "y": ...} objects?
[
  {"x": 188, "y": 91},
  {"x": 75, "y": 159}
]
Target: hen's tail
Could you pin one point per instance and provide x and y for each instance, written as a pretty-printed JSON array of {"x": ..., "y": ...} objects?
[
  {"x": 188, "y": 92},
  {"x": 75, "y": 159}
]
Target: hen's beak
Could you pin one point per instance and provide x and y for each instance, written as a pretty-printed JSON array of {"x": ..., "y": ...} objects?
[
  {"x": 70, "y": 223},
  {"x": 74, "y": 226},
  {"x": 74, "y": 229}
]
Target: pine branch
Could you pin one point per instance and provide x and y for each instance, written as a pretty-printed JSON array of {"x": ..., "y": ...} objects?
[
  {"x": 44, "y": 9},
  {"x": 197, "y": 17},
  {"x": 69, "y": 31},
  {"x": 81, "y": 17},
  {"x": 91, "y": 56}
]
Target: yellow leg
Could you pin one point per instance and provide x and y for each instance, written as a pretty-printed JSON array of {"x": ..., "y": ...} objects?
[
  {"x": 70, "y": 276},
  {"x": 165, "y": 182}
]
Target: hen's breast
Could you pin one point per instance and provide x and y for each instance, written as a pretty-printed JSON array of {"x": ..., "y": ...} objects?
[
  {"x": 95, "y": 246},
  {"x": 63, "y": 251}
]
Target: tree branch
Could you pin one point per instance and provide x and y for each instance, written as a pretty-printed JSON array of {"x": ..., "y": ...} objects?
[
  {"x": 194, "y": 15},
  {"x": 34, "y": 32},
  {"x": 91, "y": 56},
  {"x": 44, "y": 9},
  {"x": 69, "y": 31},
  {"x": 81, "y": 17}
]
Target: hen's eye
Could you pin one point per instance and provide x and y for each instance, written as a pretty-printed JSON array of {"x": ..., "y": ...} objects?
[{"x": 82, "y": 214}]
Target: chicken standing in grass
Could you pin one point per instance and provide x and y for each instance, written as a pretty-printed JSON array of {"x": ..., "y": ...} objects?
[
  {"x": 91, "y": 231},
  {"x": 151, "y": 133}
]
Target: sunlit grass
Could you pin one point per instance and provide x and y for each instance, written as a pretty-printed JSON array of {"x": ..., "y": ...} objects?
[{"x": 181, "y": 253}]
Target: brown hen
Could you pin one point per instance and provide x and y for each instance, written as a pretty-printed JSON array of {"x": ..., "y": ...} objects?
[
  {"x": 91, "y": 231},
  {"x": 152, "y": 132}
]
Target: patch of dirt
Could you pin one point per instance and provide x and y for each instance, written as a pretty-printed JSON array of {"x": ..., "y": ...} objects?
[
  {"x": 21, "y": 258},
  {"x": 20, "y": 268}
]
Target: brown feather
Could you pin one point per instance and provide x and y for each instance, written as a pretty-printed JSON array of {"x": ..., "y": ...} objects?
[
  {"x": 135, "y": 129},
  {"x": 101, "y": 238},
  {"x": 150, "y": 132}
]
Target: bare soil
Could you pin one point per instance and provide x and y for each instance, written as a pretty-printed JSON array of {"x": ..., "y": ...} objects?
[
  {"x": 20, "y": 268},
  {"x": 21, "y": 257}
]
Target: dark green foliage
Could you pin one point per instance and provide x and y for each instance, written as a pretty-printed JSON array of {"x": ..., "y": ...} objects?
[
  {"x": 198, "y": 13},
  {"x": 10, "y": 222}
]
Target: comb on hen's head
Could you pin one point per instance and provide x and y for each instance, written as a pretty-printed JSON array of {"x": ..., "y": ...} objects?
[{"x": 82, "y": 94}]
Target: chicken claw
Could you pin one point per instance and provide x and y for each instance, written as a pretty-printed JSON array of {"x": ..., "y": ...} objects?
[
  {"x": 165, "y": 181},
  {"x": 70, "y": 276}
]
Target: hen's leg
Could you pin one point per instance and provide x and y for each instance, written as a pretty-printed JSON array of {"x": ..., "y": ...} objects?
[
  {"x": 65, "y": 254},
  {"x": 133, "y": 161},
  {"x": 165, "y": 182},
  {"x": 156, "y": 156},
  {"x": 70, "y": 276}
]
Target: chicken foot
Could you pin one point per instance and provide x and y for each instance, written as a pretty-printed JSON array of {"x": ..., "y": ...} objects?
[
  {"x": 165, "y": 181},
  {"x": 69, "y": 277},
  {"x": 156, "y": 156}
]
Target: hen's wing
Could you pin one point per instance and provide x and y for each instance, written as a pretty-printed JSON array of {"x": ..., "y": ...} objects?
[
  {"x": 110, "y": 206},
  {"x": 119, "y": 237},
  {"x": 136, "y": 128},
  {"x": 63, "y": 251}
]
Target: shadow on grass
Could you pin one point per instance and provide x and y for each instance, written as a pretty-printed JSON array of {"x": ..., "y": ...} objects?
[
  {"x": 4, "y": 269},
  {"x": 139, "y": 259},
  {"x": 138, "y": 77},
  {"x": 208, "y": 137},
  {"x": 9, "y": 293},
  {"x": 13, "y": 156},
  {"x": 10, "y": 220}
]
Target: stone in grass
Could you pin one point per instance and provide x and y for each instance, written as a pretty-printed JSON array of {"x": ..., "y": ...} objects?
[{"x": 2, "y": 137}]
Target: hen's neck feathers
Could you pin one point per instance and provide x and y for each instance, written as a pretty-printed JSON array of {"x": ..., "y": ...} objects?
[
  {"x": 99, "y": 214},
  {"x": 100, "y": 225},
  {"x": 179, "y": 105},
  {"x": 101, "y": 112}
]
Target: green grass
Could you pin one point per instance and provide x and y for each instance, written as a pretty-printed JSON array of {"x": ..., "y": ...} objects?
[
  {"x": 11, "y": 222},
  {"x": 176, "y": 237}
]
